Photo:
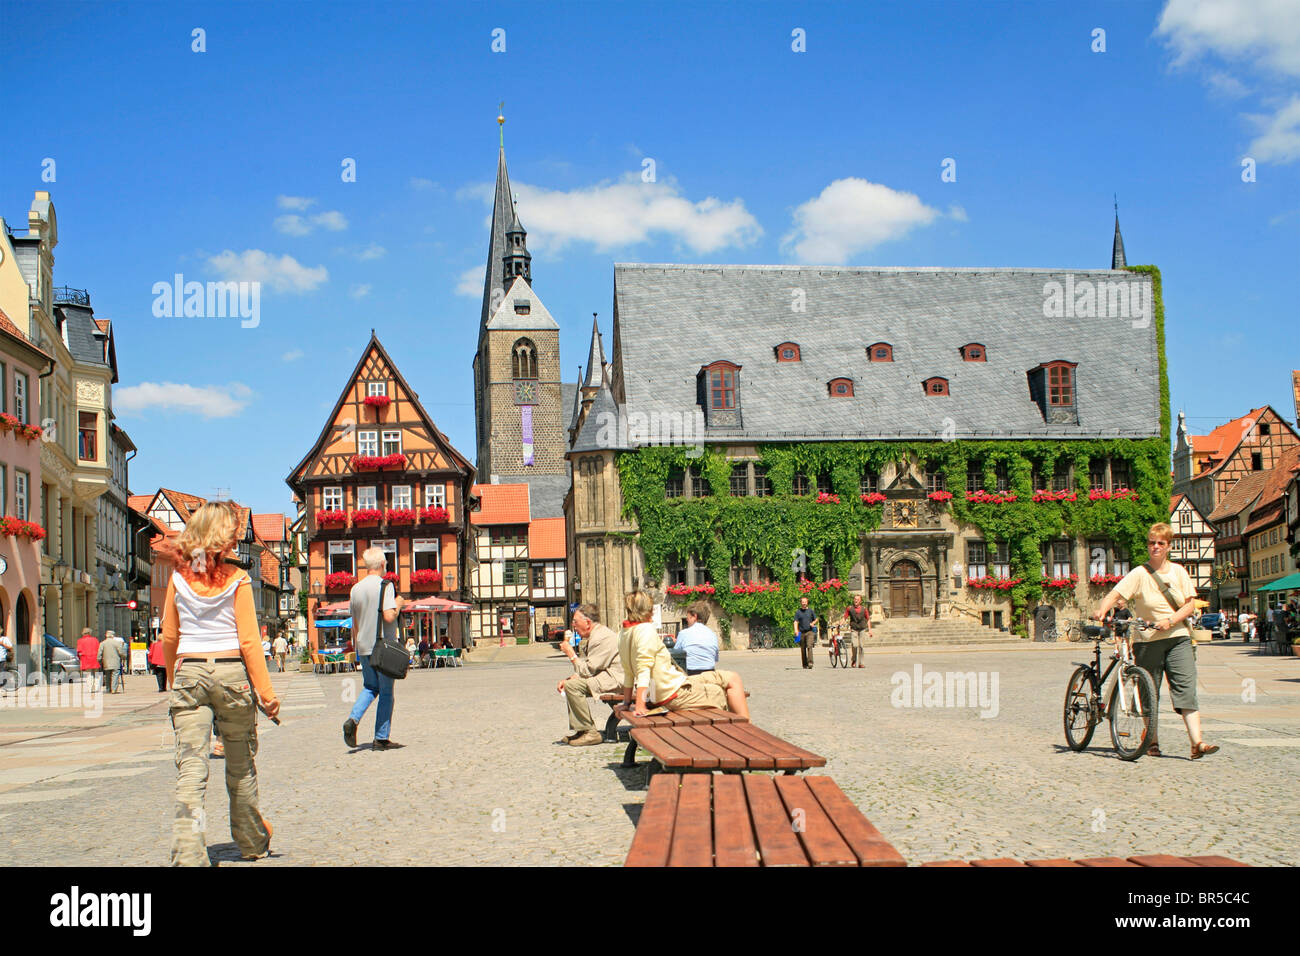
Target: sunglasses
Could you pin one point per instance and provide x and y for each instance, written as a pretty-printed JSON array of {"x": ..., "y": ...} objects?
[{"x": 1152, "y": 544}]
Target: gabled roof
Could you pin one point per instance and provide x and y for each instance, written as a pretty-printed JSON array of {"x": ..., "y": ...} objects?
[
  {"x": 1222, "y": 442},
  {"x": 546, "y": 539},
  {"x": 139, "y": 503},
  {"x": 11, "y": 331},
  {"x": 1240, "y": 496},
  {"x": 270, "y": 568},
  {"x": 670, "y": 320},
  {"x": 271, "y": 527},
  {"x": 501, "y": 504},
  {"x": 505, "y": 316},
  {"x": 1174, "y": 502},
  {"x": 184, "y": 504},
  {"x": 437, "y": 436}
]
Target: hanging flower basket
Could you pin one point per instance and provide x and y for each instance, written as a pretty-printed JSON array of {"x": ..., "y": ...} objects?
[
  {"x": 1119, "y": 494},
  {"x": 433, "y": 515},
  {"x": 377, "y": 462},
  {"x": 18, "y": 528},
  {"x": 993, "y": 583},
  {"x": 940, "y": 496},
  {"x": 401, "y": 516},
  {"x": 27, "y": 432},
  {"x": 339, "y": 581},
  {"x": 872, "y": 498},
  {"x": 324, "y": 517},
  {"x": 1042, "y": 495},
  {"x": 366, "y": 514},
  {"x": 426, "y": 579},
  {"x": 1102, "y": 580},
  {"x": 378, "y": 401},
  {"x": 826, "y": 498},
  {"x": 989, "y": 498},
  {"x": 1062, "y": 584}
]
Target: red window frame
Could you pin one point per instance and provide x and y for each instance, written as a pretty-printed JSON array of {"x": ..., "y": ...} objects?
[
  {"x": 929, "y": 384},
  {"x": 969, "y": 356},
  {"x": 1060, "y": 384},
  {"x": 722, "y": 384},
  {"x": 871, "y": 352},
  {"x": 780, "y": 349},
  {"x": 835, "y": 383}
]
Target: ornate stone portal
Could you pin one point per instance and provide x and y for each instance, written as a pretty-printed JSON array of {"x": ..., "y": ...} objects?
[{"x": 907, "y": 556}]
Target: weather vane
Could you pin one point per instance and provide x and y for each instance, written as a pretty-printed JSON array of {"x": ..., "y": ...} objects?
[{"x": 501, "y": 123}]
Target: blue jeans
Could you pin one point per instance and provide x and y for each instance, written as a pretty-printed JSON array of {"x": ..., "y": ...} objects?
[{"x": 375, "y": 685}]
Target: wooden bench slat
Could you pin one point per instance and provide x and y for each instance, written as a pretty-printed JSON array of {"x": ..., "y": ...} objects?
[
  {"x": 780, "y": 745},
  {"x": 693, "y": 831},
  {"x": 678, "y": 718},
  {"x": 1104, "y": 861},
  {"x": 1159, "y": 859},
  {"x": 744, "y": 733},
  {"x": 821, "y": 840},
  {"x": 997, "y": 861},
  {"x": 1214, "y": 861},
  {"x": 1059, "y": 861},
  {"x": 756, "y": 759},
  {"x": 786, "y": 755},
  {"x": 701, "y": 759},
  {"x": 653, "y": 741},
  {"x": 865, "y": 840},
  {"x": 719, "y": 716},
  {"x": 733, "y": 833},
  {"x": 654, "y": 831},
  {"x": 947, "y": 863},
  {"x": 777, "y": 841},
  {"x": 713, "y": 744}
]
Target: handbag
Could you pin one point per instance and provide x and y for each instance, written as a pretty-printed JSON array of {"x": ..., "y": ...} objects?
[{"x": 388, "y": 657}]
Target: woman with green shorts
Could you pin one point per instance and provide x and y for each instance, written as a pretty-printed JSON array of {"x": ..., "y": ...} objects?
[{"x": 1162, "y": 593}]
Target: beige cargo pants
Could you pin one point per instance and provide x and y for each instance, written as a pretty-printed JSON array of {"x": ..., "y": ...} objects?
[{"x": 202, "y": 691}]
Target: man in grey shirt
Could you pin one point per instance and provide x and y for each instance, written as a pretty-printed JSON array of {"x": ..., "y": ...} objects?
[
  {"x": 364, "y": 604},
  {"x": 111, "y": 653}
]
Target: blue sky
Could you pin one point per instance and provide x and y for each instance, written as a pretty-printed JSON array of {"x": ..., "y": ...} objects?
[{"x": 227, "y": 163}]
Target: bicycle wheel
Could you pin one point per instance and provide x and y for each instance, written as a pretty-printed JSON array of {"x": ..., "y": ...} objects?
[
  {"x": 835, "y": 657},
  {"x": 1080, "y": 716},
  {"x": 1133, "y": 725}
]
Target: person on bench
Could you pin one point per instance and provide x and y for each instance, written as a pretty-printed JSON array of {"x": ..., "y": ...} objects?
[
  {"x": 649, "y": 668},
  {"x": 698, "y": 640},
  {"x": 596, "y": 670}
]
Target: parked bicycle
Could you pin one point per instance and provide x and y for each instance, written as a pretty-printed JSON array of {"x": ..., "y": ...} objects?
[
  {"x": 1131, "y": 707},
  {"x": 839, "y": 649}
]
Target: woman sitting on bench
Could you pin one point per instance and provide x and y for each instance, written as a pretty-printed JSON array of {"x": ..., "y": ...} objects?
[{"x": 649, "y": 668}]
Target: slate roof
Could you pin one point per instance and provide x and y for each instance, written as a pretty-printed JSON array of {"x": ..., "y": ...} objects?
[
  {"x": 505, "y": 316},
  {"x": 669, "y": 320},
  {"x": 85, "y": 339},
  {"x": 502, "y": 213},
  {"x": 546, "y": 494},
  {"x": 600, "y": 431},
  {"x": 569, "y": 396}
]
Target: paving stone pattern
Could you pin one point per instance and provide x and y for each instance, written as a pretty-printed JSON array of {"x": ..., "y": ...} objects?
[{"x": 482, "y": 782}]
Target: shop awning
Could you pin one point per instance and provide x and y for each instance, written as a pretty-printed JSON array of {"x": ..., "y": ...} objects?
[
  {"x": 338, "y": 622},
  {"x": 1289, "y": 583},
  {"x": 435, "y": 604}
]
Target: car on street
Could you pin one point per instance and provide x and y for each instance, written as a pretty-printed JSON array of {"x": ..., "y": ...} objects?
[
  {"x": 61, "y": 661},
  {"x": 1213, "y": 622}
]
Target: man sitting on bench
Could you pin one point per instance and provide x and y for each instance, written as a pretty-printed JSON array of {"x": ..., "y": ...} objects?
[
  {"x": 698, "y": 640},
  {"x": 596, "y": 670},
  {"x": 649, "y": 668}
]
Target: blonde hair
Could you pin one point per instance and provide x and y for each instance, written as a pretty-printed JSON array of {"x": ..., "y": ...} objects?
[
  {"x": 1162, "y": 531},
  {"x": 639, "y": 606},
  {"x": 199, "y": 550},
  {"x": 373, "y": 559}
]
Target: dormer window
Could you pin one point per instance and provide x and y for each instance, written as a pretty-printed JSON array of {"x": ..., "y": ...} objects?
[
  {"x": 935, "y": 386},
  {"x": 787, "y": 352},
  {"x": 880, "y": 352},
  {"x": 973, "y": 353},
  {"x": 1052, "y": 388},
  {"x": 718, "y": 391},
  {"x": 840, "y": 387},
  {"x": 523, "y": 306}
]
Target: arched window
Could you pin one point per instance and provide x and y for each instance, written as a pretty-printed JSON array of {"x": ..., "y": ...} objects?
[
  {"x": 880, "y": 352},
  {"x": 935, "y": 386},
  {"x": 721, "y": 385},
  {"x": 840, "y": 387},
  {"x": 523, "y": 360},
  {"x": 974, "y": 353},
  {"x": 787, "y": 352}
]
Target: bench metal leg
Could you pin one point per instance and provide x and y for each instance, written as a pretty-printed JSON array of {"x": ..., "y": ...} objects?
[
  {"x": 629, "y": 755},
  {"x": 611, "y": 728}
]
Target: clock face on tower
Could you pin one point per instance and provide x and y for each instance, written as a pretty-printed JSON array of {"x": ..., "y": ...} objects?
[{"x": 525, "y": 392}]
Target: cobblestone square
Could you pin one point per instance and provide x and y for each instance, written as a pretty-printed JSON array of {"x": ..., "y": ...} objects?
[{"x": 481, "y": 780}]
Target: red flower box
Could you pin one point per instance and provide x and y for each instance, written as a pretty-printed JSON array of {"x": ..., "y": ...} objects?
[
  {"x": 755, "y": 587},
  {"x": 392, "y": 576},
  {"x": 433, "y": 515},
  {"x": 331, "y": 517},
  {"x": 378, "y": 401},
  {"x": 1062, "y": 583},
  {"x": 11, "y": 423},
  {"x": 993, "y": 583},
  {"x": 366, "y": 514},
  {"x": 1104, "y": 579},
  {"x": 339, "y": 581},
  {"x": 17, "y": 527},
  {"x": 940, "y": 496},
  {"x": 826, "y": 498},
  {"x": 1042, "y": 495},
  {"x": 426, "y": 578},
  {"x": 401, "y": 516},
  {"x": 872, "y": 498},
  {"x": 987, "y": 498},
  {"x": 367, "y": 462},
  {"x": 1119, "y": 494}
]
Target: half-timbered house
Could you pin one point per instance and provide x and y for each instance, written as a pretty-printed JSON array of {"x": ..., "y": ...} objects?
[
  {"x": 1193, "y": 546},
  {"x": 1206, "y": 467},
  {"x": 382, "y": 475}
]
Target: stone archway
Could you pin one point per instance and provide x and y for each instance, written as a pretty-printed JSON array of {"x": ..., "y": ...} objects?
[{"x": 904, "y": 597}]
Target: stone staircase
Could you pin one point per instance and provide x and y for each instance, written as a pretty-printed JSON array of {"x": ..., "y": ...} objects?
[{"x": 924, "y": 631}]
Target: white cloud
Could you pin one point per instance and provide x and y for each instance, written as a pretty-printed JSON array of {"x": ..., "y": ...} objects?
[
  {"x": 470, "y": 282},
  {"x": 958, "y": 213},
  {"x": 300, "y": 203},
  {"x": 294, "y": 225},
  {"x": 292, "y": 355},
  {"x": 359, "y": 291},
  {"x": 372, "y": 251},
  {"x": 210, "y": 401},
  {"x": 1279, "y": 140},
  {"x": 283, "y": 274},
  {"x": 850, "y": 216},
  {"x": 1226, "y": 86},
  {"x": 1267, "y": 31},
  {"x": 619, "y": 214}
]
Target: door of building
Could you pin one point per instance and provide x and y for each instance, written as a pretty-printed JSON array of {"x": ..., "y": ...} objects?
[{"x": 905, "y": 589}]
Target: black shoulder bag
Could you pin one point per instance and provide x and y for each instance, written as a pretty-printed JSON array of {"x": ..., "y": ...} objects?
[{"x": 388, "y": 657}]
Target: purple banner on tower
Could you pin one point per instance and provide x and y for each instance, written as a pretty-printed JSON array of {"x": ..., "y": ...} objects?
[{"x": 526, "y": 420}]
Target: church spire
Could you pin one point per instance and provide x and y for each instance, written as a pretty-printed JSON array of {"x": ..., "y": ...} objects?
[
  {"x": 1117, "y": 248},
  {"x": 595, "y": 360},
  {"x": 518, "y": 262},
  {"x": 502, "y": 216}
]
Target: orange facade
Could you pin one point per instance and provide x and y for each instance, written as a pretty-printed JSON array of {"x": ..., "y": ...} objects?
[{"x": 381, "y": 474}]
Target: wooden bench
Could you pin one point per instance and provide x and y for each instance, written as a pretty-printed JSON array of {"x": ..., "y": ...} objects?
[
  {"x": 754, "y": 820},
  {"x": 1158, "y": 859},
  {"x": 707, "y": 739}
]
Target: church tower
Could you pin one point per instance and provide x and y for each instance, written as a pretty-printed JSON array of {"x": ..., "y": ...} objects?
[{"x": 518, "y": 398}]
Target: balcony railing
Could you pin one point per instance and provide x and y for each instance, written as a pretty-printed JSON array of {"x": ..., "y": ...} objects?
[{"x": 63, "y": 293}]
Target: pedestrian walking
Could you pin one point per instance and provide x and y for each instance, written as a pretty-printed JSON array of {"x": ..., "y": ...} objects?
[
  {"x": 110, "y": 660},
  {"x": 1161, "y": 592},
  {"x": 367, "y": 598},
  {"x": 217, "y": 673},
  {"x": 88, "y": 655},
  {"x": 6, "y": 659},
  {"x": 805, "y": 623},
  {"x": 859, "y": 618},
  {"x": 281, "y": 648},
  {"x": 158, "y": 664}
]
